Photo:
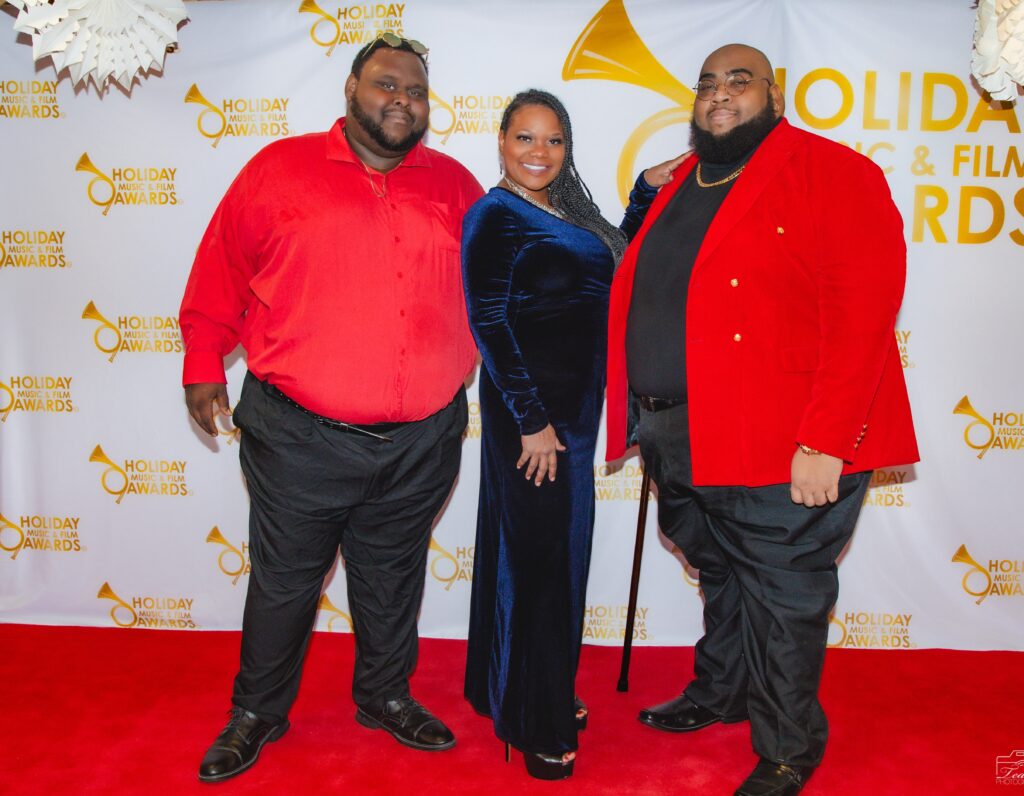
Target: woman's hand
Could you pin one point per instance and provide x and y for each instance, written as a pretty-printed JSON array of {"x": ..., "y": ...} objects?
[
  {"x": 659, "y": 175},
  {"x": 539, "y": 455}
]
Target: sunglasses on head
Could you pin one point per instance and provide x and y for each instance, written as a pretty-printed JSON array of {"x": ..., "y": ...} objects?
[{"x": 394, "y": 40}]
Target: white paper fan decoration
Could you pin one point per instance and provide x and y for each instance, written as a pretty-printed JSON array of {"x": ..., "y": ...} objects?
[
  {"x": 998, "y": 59},
  {"x": 101, "y": 39}
]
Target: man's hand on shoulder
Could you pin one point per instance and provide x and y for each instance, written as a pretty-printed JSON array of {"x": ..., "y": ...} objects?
[
  {"x": 814, "y": 478},
  {"x": 204, "y": 402}
]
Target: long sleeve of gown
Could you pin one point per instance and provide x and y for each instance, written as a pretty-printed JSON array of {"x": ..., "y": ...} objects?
[
  {"x": 490, "y": 243},
  {"x": 640, "y": 199}
]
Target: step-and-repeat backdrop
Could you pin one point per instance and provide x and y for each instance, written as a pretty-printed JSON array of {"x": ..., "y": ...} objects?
[{"x": 115, "y": 510}]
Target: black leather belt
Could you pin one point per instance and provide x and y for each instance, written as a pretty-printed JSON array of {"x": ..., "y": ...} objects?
[
  {"x": 375, "y": 430},
  {"x": 657, "y": 404}
]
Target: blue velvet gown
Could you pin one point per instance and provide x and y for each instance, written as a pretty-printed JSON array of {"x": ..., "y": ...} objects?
[{"x": 537, "y": 294}]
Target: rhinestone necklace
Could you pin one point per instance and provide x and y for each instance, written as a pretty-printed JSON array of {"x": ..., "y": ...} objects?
[
  {"x": 722, "y": 181},
  {"x": 520, "y": 191}
]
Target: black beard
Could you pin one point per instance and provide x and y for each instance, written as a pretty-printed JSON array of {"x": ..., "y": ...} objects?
[
  {"x": 732, "y": 146},
  {"x": 376, "y": 131}
]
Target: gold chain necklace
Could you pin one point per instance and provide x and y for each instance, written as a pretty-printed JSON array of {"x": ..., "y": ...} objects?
[
  {"x": 723, "y": 181},
  {"x": 520, "y": 191},
  {"x": 383, "y": 190}
]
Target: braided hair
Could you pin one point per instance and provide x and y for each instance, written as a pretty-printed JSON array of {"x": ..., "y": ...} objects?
[{"x": 567, "y": 192}]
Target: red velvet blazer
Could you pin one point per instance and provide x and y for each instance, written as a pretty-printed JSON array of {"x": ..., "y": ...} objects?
[{"x": 790, "y": 318}]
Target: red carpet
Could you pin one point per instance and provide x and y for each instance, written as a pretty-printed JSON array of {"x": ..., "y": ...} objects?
[{"x": 108, "y": 711}]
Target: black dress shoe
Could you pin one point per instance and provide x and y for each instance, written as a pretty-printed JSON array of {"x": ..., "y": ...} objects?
[
  {"x": 238, "y": 745},
  {"x": 774, "y": 779},
  {"x": 678, "y": 715},
  {"x": 410, "y": 723}
]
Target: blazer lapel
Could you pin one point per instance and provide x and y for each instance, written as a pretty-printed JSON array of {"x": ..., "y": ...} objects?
[{"x": 769, "y": 158}]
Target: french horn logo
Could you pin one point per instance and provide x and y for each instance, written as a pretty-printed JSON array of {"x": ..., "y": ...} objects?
[
  {"x": 107, "y": 337},
  {"x": 12, "y": 537},
  {"x": 250, "y": 117},
  {"x": 355, "y": 24},
  {"x": 1004, "y": 431},
  {"x": 232, "y": 561},
  {"x": 336, "y": 615},
  {"x": 32, "y": 248},
  {"x": 121, "y": 613},
  {"x": 466, "y": 114},
  {"x": 450, "y": 569},
  {"x": 1002, "y": 577},
  {"x": 129, "y": 185},
  {"x": 27, "y": 393},
  {"x": 165, "y": 477},
  {"x": 135, "y": 334},
  {"x": 609, "y": 48},
  {"x": 226, "y": 428},
  {"x": 38, "y": 532},
  {"x": 149, "y": 611},
  {"x": 870, "y": 629}
]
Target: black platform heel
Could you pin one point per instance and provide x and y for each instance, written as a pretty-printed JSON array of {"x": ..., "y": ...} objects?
[
  {"x": 581, "y": 721},
  {"x": 541, "y": 766},
  {"x": 538, "y": 766}
]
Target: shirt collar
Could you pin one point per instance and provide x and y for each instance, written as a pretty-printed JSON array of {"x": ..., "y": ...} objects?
[{"x": 338, "y": 148}]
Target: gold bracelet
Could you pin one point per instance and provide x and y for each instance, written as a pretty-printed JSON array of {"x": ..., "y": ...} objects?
[{"x": 808, "y": 451}]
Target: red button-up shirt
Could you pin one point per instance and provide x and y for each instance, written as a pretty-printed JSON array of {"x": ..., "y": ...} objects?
[{"x": 349, "y": 302}]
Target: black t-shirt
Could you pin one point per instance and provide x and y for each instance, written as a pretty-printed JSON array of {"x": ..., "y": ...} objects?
[{"x": 656, "y": 325}]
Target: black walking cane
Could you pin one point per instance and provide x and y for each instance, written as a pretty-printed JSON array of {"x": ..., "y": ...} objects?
[{"x": 634, "y": 583}]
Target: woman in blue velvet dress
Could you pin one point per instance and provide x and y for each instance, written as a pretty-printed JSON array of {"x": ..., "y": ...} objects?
[{"x": 537, "y": 263}]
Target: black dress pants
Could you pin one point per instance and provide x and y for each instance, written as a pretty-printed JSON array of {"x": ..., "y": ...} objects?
[
  {"x": 768, "y": 574},
  {"x": 314, "y": 489}
]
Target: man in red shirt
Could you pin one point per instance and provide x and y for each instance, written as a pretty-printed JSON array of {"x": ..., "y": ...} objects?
[
  {"x": 334, "y": 260},
  {"x": 752, "y": 319}
]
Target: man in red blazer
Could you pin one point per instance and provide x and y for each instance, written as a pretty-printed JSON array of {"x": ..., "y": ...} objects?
[{"x": 752, "y": 354}]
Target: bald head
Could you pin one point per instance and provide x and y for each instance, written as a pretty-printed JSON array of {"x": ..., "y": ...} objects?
[{"x": 738, "y": 53}]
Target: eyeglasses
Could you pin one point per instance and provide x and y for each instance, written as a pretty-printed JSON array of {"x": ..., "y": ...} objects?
[
  {"x": 394, "y": 40},
  {"x": 734, "y": 85}
]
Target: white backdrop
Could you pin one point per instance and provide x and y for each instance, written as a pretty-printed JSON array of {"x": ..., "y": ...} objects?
[{"x": 114, "y": 510}]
